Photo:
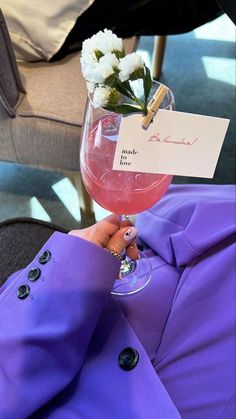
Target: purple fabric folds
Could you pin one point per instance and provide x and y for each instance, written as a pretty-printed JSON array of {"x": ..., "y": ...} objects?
[{"x": 60, "y": 345}]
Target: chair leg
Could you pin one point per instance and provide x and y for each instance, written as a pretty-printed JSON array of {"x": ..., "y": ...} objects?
[
  {"x": 131, "y": 44},
  {"x": 86, "y": 203},
  {"x": 158, "y": 55}
]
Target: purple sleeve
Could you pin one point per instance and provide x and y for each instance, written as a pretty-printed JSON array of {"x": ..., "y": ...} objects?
[{"x": 49, "y": 330}]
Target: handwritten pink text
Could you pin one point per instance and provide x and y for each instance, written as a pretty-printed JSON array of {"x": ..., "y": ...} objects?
[{"x": 171, "y": 140}]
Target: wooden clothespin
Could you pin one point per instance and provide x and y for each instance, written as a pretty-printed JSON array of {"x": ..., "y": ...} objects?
[{"x": 154, "y": 105}]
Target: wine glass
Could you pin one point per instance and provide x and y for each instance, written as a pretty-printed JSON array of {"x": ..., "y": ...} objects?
[{"x": 121, "y": 192}]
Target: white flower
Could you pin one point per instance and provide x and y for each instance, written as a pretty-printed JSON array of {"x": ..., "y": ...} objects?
[
  {"x": 88, "y": 57},
  {"x": 101, "y": 96},
  {"x": 105, "y": 41},
  {"x": 88, "y": 73},
  {"x": 99, "y": 72},
  {"x": 91, "y": 86},
  {"x": 88, "y": 64},
  {"x": 98, "y": 45},
  {"x": 130, "y": 64},
  {"x": 109, "y": 60},
  {"x": 87, "y": 60},
  {"x": 104, "y": 95},
  {"x": 105, "y": 69}
]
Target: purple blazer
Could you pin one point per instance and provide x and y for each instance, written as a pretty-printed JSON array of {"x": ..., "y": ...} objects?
[{"x": 64, "y": 338}]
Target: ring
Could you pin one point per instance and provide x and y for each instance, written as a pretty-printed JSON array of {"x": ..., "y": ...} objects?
[
  {"x": 117, "y": 255},
  {"x": 133, "y": 246}
]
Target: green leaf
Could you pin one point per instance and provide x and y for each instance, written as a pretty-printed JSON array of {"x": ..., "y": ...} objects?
[
  {"x": 98, "y": 54},
  {"x": 111, "y": 81},
  {"x": 119, "y": 54},
  {"x": 147, "y": 83},
  {"x": 124, "y": 108},
  {"x": 137, "y": 74},
  {"x": 124, "y": 88},
  {"x": 127, "y": 86}
]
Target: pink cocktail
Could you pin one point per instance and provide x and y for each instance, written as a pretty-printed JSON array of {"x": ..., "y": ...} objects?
[{"x": 120, "y": 192}]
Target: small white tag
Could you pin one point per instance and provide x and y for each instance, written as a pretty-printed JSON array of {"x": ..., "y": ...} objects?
[{"x": 175, "y": 143}]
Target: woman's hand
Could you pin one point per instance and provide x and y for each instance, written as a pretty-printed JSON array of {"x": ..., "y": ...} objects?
[{"x": 109, "y": 234}]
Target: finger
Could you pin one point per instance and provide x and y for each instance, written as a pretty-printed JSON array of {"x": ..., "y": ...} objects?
[
  {"x": 132, "y": 251},
  {"x": 122, "y": 238},
  {"x": 110, "y": 224},
  {"x": 100, "y": 232},
  {"x": 125, "y": 221}
]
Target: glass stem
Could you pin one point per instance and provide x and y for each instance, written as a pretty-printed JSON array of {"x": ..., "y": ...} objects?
[{"x": 127, "y": 265}]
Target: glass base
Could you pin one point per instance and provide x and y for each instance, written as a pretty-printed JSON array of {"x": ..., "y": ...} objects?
[{"x": 133, "y": 277}]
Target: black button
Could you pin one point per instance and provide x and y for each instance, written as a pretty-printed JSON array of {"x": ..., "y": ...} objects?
[
  {"x": 23, "y": 291},
  {"x": 128, "y": 359},
  {"x": 45, "y": 257},
  {"x": 34, "y": 274}
]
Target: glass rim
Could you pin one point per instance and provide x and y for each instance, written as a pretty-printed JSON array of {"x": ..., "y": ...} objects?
[{"x": 169, "y": 92}]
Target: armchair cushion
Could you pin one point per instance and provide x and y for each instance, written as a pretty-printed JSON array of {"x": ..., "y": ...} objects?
[
  {"x": 55, "y": 91},
  {"x": 38, "y": 29},
  {"x": 46, "y": 129}
]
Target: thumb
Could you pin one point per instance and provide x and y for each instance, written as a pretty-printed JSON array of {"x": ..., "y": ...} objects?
[{"x": 122, "y": 238}]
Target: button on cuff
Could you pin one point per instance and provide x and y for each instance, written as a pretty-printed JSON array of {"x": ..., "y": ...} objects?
[
  {"x": 34, "y": 274},
  {"x": 45, "y": 257},
  {"x": 23, "y": 291}
]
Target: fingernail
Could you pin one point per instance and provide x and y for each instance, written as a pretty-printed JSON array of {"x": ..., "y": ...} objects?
[{"x": 130, "y": 234}]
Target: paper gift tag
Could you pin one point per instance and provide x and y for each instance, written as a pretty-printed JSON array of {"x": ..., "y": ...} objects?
[{"x": 175, "y": 143}]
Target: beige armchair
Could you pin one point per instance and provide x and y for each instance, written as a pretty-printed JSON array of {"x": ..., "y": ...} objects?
[{"x": 41, "y": 112}]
